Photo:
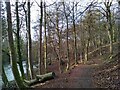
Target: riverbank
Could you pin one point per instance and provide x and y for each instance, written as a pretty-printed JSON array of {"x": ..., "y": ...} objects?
[{"x": 10, "y": 84}]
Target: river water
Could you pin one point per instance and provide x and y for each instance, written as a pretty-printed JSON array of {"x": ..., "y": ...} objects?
[
  {"x": 9, "y": 74},
  {"x": 0, "y": 82}
]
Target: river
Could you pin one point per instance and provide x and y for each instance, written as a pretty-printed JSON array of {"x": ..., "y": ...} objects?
[
  {"x": 0, "y": 82},
  {"x": 9, "y": 74}
]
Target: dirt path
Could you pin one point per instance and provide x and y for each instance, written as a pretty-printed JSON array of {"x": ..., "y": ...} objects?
[
  {"x": 84, "y": 76},
  {"x": 78, "y": 77}
]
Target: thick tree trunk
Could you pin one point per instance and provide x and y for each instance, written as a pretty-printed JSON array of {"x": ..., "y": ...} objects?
[
  {"x": 40, "y": 78},
  {"x": 46, "y": 76},
  {"x": 18, "y": 43},
  {"x": 12, "y": 48}
]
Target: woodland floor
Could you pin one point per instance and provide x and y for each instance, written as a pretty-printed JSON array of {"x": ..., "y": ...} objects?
[
  {"x": 79, "y": 76},
  {"x": 98, "y": 72},
  {"x": 107, "y": 74},
  {"x": 94, "y": 74}
]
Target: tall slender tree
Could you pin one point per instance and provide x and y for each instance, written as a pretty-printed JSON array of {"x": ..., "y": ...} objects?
[
  {"x": 27, "y": 69},
  {"x": 45, "y": 39},
  {"x": 18, "y": 42},
  {"x": 0, "y": 38},
  {"x": 119, "y": 29},
  {"x": 12, "y": 48},
  {"x": 66, "y": 16},
  {"x": 119, "y": 22},
  {"x": 100, "y": 36},
  {"x": 74, "y": 34},
  {"x": 109, "y": 24},
  {"x": 88, "y": 32},
  {"x": 82, "y": 36},
  {"x": 30, "y": 63},
  {"x": 40, "y": 40},
  {"x": 58, "y": 36}
]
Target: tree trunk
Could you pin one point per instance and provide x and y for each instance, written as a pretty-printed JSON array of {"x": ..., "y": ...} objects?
[
  {"x": 68, "y": 61},
  {"x": 0, "y": 40},
  {"x": 29, "y": 44},
  {"x": 40, "y": 40},
  {"x": 46, "y": 76},
  {"x": 100, "y": 38},
  {"x": 45, "y": 40},
  {"x": 86, "y": 51},
  {"x": 59, "y": 42},
  {"x": 12, "y": 48},
  {"x": 111, "y": 42},
  {"x": 27, "y": 69},
  {"x": 74, "y": 34},
  {"x": 119, "y": 30},
  {"x": 55, "y": 50},
  {"x": 51, "y": 43},
  {"x": 18, "y": 43},
  {"x": 82, "y": 43},
  {"x": 40, "y": 78},
  {"x": 109, "y": 25},
  {"x": 27, "y": 66},
  {"x": 100, "y": 44}
]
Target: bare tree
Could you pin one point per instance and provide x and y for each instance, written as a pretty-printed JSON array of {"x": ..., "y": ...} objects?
[
  {"x": 12, "y": 48},
  {"x": 25, "y": 11},
  {"x": 30, "y": 63},
  {"x": 40, "y": 40},
  {"x": 0, "y": 37},
  {"x": 58, "y": 35},
  {"x": 74, "y": 34},
  {"x": 66, "y": 16},
  {"x": 119, "y": 21},
  {"x": 18, "y": 42},
  {"x": 45, "y": 39},
  {"x": 109, "y": 24},
  {"x": 88, "y": 34}
]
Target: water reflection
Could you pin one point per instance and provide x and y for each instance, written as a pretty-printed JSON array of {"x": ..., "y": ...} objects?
[
  {"x": 9, "y": 73},
  {"x": 1, "y": 82}
]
